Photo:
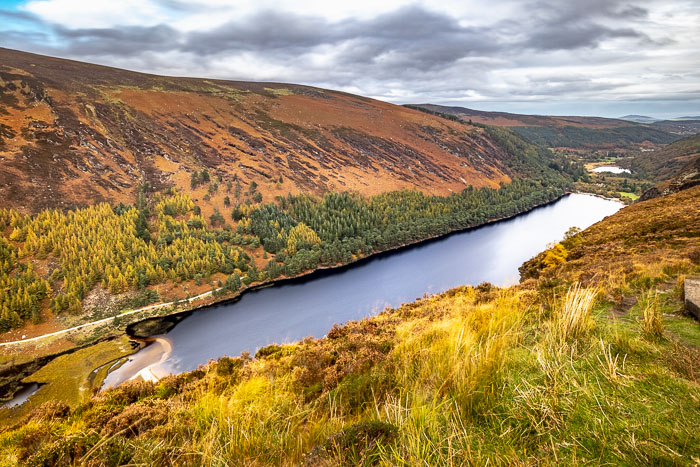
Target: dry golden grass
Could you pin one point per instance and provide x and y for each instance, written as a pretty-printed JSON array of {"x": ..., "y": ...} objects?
[
  {"x": 573, "y": 316},
  {"x": 543, "y": 374},
  {"x": 651, "y": 324}
]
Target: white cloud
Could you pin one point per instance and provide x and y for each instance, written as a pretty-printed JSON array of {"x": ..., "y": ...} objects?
[{"x": 98, "y": 14}]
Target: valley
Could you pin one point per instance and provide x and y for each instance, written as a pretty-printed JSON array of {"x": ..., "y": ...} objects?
[
  {"x": 212, "y": 224},
  {"x": 524, "y": 361},
  {"x": 201, "y": 271}
]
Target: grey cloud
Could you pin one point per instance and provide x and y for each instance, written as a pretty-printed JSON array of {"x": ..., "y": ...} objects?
[
  {"x": 407, "y": 38},
  {"x": 558, "y": 25},
  {"x": 126, "y": 40},
  {"x": 265, "y": 31},
  {"x": 554, "y": 12},
  {"x": 578, "y": 36},
  {"x": 17, "y": 15}
]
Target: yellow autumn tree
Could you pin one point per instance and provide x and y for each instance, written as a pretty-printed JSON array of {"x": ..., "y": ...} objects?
[
  {"x": 299, "y": 235},
  {"x": 555, "y": 255}
]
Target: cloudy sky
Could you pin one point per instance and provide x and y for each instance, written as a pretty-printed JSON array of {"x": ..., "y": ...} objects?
[{"x": 582, "y": 57}]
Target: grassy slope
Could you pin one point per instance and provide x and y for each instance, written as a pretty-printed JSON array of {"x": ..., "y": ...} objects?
[
  {"x": 605, "y": 374},
  {"x": 665, "y": 163}
]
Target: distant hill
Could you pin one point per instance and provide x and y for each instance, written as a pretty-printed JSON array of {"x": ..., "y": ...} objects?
[
  {"x": 73, "y": 133},
  {"x": 664, "y": 164},
  {"x": 684, "y": 126},
  {"x": 678, "y": 126},
  {"x": 675, "y": 167},
  {"x": 639, "y": 119},
  {"x": 568, "y": 132}
]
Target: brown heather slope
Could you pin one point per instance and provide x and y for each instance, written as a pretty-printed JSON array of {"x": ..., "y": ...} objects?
[
  {"x": 641, "y": 239},
  {"x": 665, "y": 163},
  {"x": 675, "y": 168},
  {"x": 73, "y": 133}
]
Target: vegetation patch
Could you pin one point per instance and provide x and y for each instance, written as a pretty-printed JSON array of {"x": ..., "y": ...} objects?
[
  {"x": 280, "y": 91},
  {"x": 68, "y": 378}
]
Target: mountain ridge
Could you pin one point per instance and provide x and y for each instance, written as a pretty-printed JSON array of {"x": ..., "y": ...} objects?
[
  {"x": 73, "y": 133},
  {"x": 573, "y": 133},
  {"x": 674, "y": 168}
]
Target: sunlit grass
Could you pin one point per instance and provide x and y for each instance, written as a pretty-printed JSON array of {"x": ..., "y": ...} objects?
[
  {"x": 473, "y": 376},
  {"x": 627, "y": 194},
  {"x": 572, "y": 317}
]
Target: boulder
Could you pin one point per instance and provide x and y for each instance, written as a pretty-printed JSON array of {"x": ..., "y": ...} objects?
[{"x": 692, "y": 296}]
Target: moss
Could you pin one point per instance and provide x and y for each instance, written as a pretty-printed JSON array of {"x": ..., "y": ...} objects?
[
  {"x": 67, "y": 378},
  {"x": 280, "y": 91},
  {"x": 355, "y": 444}
]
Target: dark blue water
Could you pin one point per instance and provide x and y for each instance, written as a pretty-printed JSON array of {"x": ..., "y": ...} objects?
[{"x": 289, "y": 312}]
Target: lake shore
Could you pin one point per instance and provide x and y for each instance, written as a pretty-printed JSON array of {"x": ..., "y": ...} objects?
[{"x": 143, "y": 327}]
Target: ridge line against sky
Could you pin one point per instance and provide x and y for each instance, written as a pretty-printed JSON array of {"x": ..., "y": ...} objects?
[{"x": 598, "y": 57}]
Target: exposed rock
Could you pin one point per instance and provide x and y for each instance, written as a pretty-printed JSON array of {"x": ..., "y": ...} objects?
[
  {"x": 692, "y": 296},
  {"x": 688, "y": 177}
]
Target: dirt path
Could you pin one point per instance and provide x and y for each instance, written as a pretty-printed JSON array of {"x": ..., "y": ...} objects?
[{"x": 101, "y": 321}]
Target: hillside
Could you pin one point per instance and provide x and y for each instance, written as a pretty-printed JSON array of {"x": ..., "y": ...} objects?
[
  {"x": 567, "y": 132},
  {"x": 680, "y": 126},
  {"x": 172, "y": 187},
  {"x": 664, "y": 164},
  {"x": 73, "y": 134},
  {"x": 639, "y": 119},
  {"x": 549, "y": 372},
  {"x": 687, "y": 177}
]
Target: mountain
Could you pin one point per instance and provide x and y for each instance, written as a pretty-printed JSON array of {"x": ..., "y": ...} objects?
[
  {"x": 639, "y": 119},
  {"x": 566, "y": 132},
  {"x": 684, "y": 126},
  {"x": 693, "y": 117},
  {"x": 73, "y": 133},
  {"x": 516, "y": 120},
  {"x": 179, "y": 182}
]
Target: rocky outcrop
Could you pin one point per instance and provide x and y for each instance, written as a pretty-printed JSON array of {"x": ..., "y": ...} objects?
[{"x": 692, "y": 296}]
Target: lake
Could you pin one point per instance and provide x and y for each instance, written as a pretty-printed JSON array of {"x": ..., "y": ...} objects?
[
  {"x": 291, "y": 311},
  {"x": 611, "y": 169}
]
